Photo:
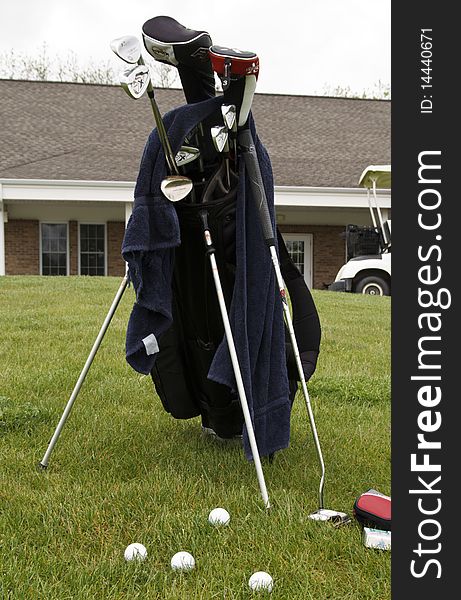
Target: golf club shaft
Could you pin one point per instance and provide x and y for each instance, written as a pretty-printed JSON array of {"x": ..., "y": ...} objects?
[
  {"x": 234, "y": 359},
  {"x": 259, "y": 195},
  {"x": 162, "y": 134},
  {"x": 199, "y": 136},
  {"x": 81, "y": 379},
  {"x": 289, "y": 322},
  {"x": 227, "y": 160}
]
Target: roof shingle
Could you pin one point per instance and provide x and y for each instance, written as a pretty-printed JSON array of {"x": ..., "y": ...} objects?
[{"x": 93, "y": 132}]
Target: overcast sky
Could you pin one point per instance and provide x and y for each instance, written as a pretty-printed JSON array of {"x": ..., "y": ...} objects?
[{"x": 304, "y": 46}]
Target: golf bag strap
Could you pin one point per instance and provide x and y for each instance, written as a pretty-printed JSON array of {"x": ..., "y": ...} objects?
[
  {"x": 306, "y": 320},
  {"x": 305, "y": 316}
]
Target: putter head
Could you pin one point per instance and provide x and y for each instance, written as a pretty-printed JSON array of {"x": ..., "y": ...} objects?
[
  {"x": 186, "y": 155},
  {"x": 219, "y": 135},
  {"x": 229, "y": 113},
  {"x": 325, "y": 514},
  {"x": 127, "y": 47},
  {"x": 176, "y": 187},
  {"x": 135, "y": 80}
]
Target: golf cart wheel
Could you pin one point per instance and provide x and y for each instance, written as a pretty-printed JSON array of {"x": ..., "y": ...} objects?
[{"x": 373, "y": 286}]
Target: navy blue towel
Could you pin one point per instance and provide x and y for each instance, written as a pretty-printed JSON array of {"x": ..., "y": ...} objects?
[{"x": 255, "y": 313}]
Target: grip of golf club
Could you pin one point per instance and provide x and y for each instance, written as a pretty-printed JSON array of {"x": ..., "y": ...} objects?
[{"x": 256, "y": 181}]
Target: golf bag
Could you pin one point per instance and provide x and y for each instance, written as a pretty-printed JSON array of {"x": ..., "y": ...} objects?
[
  {"x": 173, "y": 332},
  {"x": 187, "y": 348},
  {"x": 168, "y": 265},
  {"x": 180, "y": 374}
]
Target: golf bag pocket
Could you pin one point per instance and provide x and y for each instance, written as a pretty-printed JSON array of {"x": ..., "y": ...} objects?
[
  {"x": 373, "y": 509},
  {"x": 171, "y": 380},
  {"x": 219, "y": 407}
]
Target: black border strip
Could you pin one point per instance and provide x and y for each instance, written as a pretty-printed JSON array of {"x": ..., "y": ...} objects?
[{"x": 425, "y": 133}]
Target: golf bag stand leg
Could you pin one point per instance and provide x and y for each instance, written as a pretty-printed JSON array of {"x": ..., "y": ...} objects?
[
  {"x": 257, "y": 187},
  {"x": 234, "y": 359},
  {"x": 44, "y": 462}
]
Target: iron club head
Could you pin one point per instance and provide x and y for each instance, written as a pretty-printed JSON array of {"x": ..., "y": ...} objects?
[
  {"x": 186, "y": 155},
  {"x": 176, "y": 187},
  {"x": 219, "y": 135},
  {"x": 127, "y": 47},
  {"x": 229, "y": 113},
  {"x": 135, "y": 80}
]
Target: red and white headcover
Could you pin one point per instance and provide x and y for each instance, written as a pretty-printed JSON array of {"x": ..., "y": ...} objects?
[
  {"x": 373, "y": 508},
  {"x": 241, "y": 62}
]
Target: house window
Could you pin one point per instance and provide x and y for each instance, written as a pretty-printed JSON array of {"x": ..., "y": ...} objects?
[
  {"x": 92, "y": 249},
  {"x": 54, "y": 248},
  {"x": 299, "y": 248}
]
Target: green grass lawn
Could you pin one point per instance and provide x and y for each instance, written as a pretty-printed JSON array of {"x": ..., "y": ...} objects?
[{"x": 124, "y": 471}]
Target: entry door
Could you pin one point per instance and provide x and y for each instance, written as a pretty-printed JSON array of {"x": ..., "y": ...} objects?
[{"x": 299, "y": 247}]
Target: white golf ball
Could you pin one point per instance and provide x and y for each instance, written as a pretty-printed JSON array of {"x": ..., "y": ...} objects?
[
  {"x": 219, "y": 516},
  {"x": 182, "y": 561},
  {"x": 261, "y": 581},
  {"x": 135, "y": 552}
]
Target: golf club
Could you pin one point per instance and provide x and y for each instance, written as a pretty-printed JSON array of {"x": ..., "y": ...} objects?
[
  {"x": 127, "y": 48},
  {"x": 169, "y": 42},
  {"x": 238, "y": 72},
  {"x": 175, "y": 186},
  {"x": 220, "y": 137},
  {"x": 186, "y": 155},
  {"x": 135, "y": 80},
  {"x": 229, "y": 114}
]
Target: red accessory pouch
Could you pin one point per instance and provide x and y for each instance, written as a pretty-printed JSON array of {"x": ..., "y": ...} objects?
[{"x": 373, "y": 509}]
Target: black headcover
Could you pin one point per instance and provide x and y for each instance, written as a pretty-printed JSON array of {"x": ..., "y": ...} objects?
[{"x": 171, "y": 43}]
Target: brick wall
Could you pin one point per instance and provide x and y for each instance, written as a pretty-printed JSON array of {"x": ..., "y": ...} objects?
[
  {"x": 328, "y": 250},
  {"x": 115, "y": 262},
  {"x": 22, "y": 247}
]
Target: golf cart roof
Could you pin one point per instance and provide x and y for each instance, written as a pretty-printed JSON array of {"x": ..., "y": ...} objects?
[{"x": 381, "y": 174}]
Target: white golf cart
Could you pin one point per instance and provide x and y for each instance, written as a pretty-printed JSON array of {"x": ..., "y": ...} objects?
[{"x": 368, "y": 268}]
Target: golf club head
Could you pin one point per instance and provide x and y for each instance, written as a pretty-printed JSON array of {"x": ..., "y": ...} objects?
[
  {"x": 135, "y": 80},
  {"x": 231, "y": 63},
  {"x": 325, "y": 514},
  {"x": 186, "y": 155},
  {"x": 127, "y": 47},
  {"x": 219, "y": 135},
  {"x": 161, "y": 51},
  {"x": 229, "y": 113},
  {"x": 171, "y": 43},
  {"x": 176, "y": 187}
]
